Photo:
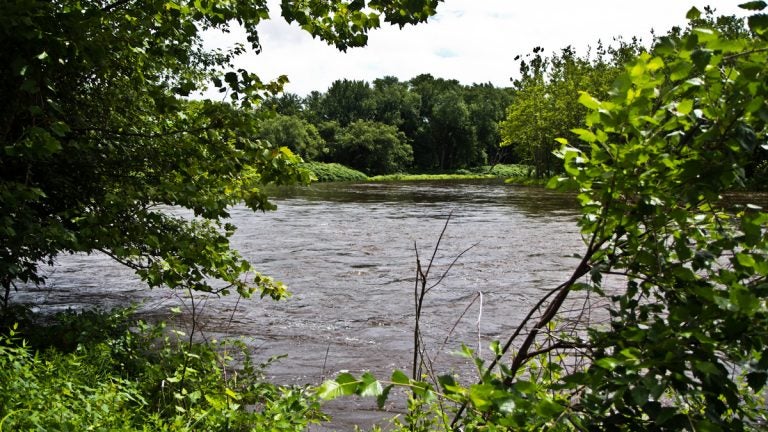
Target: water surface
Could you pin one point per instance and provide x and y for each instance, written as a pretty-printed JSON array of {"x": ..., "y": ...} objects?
[{"x": 348, "y": 254}]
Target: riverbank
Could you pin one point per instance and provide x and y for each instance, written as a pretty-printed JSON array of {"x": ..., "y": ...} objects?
[{"x": 514, "y": 173}]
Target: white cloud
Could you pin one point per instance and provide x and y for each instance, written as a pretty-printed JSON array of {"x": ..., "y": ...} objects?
[{"x": 472, "y": 41}]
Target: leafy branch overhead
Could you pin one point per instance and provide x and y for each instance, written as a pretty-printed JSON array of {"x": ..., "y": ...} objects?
[{"x": 97, "y": 137}]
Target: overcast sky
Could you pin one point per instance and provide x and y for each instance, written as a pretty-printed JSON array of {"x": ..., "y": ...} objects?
[{"x": 473, "y": 41}]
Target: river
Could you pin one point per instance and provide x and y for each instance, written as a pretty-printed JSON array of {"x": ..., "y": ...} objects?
[{"x": 347, "y": 253}]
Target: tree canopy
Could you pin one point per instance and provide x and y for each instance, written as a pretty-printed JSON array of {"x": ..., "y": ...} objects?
[{"x": 98, "y": 136}]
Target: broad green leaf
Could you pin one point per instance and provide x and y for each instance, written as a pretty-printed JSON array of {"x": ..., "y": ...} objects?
[
  {"x": 585, "y": 135},
  {"x": 549, "y": 408},
  {"x": 685, "y": 107},
  {"x": 399, "y": 377},
  {"x": 370, "y": 386},
  {"x": 344, "y": 385},
  {"x": 608, "y": 363},
  {"x": 588, "y": 101},
  {"x": 640, "y": 395},
  {"x": 381, "y": 400},
  {"x": 745, "y": 260}
]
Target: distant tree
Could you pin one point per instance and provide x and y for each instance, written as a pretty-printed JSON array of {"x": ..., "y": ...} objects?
[
  {"x": 453, "y": 134},
  {"x": 373, "y": 148},
  {"x": 545, "y": 104},
  {"x": 487, "y": 107},
  {"x": 395, "y": 104},
  {"x": 445, "y": 137},
  {"x": 347, "y": 101},
  {"x": 313, "y": 107},
  {"x": 295, "y": 133},
  {"x": 289, "y": 104}
]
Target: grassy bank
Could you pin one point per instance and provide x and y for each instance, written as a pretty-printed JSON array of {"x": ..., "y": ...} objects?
[{"x": 330, "y": 172}]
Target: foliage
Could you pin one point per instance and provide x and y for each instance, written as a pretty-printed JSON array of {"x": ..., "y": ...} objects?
[
  {"x": 545, "y": 102},
  {"x": 373, "y": 148},
  {"x": 448, "y": 125},
  {"x": 506, "y": 170},
  {"x": 684, "y": 341},
  {"x": 478, "y": 173},
  {"x": 95, "y": 132},
  {"x": 122, "y": 380},
  {"x": 347, "y": 101},
  {"x": 331, "y": 172},
  {"x": 688, "y": 336},
  {"x": 294, "y": 133},
  {"x": 487, "y": 106},
  {"x": 446, "y": 138}
]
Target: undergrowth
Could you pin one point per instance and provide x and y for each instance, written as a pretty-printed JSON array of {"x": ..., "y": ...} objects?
[{"x": 101, "y": 371}]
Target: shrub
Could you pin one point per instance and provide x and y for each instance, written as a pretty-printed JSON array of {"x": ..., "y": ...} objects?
[
  {"x": 330, "y": 172},
  {"x": 144, "y": 379}
]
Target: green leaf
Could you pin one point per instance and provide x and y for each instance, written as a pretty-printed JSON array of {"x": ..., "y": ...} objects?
[
  {"x": 588, "y": 101},
  {"x": 754, "y": 5},
  {"x": 707, "y": 368},
  {"x": 585, "y": 135},
  {"x": 640, "y": 395},
  {"x": 370, "y": 386},
  {"x": 381, "y": 400},
  {"x": 344, "y": 385},
  {"x": 481, "y": 396},
  {"x": 746, "y": 260},
  {"x": 758, "y": 23},
  {"x": 399, "y": 377},
  {"x": 693, "y": 14},
  {"x": 549, "y": 408},
  {"x": 608, "y": 363},
  {"x": 684, "y": 107}
]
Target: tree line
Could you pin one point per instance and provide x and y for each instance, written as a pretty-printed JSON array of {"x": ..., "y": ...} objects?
[
  {"x": 423, "y": 124},
  {"x": 430, "y": 124}
]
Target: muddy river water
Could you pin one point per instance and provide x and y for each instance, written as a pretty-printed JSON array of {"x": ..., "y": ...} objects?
[{"x": 346, "y": 252}]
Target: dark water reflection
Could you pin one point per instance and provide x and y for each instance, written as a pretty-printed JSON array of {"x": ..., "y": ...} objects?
[{"x": 347, "y": 253}]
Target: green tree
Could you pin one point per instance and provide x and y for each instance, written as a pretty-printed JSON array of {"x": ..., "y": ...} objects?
[
  {"x": 294, "y": 133},
  {"x": 373, "y": 148},
  {"x": 453, "y": 134},
  {"x": 487, "y": 107},
  {"x": 95, "y": 132},
  {"x": 395, "y": 104},
  {"x": 445, "y": 137},
  {"x": 545, "y": 103},
  {"x": 347, "y": 101},
  {"x": 680, "y": 277},
  {"x": 288, "y": 104}
]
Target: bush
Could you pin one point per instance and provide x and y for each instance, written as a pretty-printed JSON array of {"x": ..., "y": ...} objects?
[
  {"x": 145, "y": 379},
  {"x": 330, "y": 172}
]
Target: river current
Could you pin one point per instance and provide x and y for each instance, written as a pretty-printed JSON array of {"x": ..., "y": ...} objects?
[{"x": 348, "y": 254}]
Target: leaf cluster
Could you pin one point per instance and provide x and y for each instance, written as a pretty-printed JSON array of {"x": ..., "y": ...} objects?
[{"x": 100, "y": 145}]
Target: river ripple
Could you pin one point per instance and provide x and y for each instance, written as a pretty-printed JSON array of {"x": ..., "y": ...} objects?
[{"x": 346, "y": 251}]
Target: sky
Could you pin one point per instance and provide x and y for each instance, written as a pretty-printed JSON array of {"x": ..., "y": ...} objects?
[{"x": 472, "y": 41}]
